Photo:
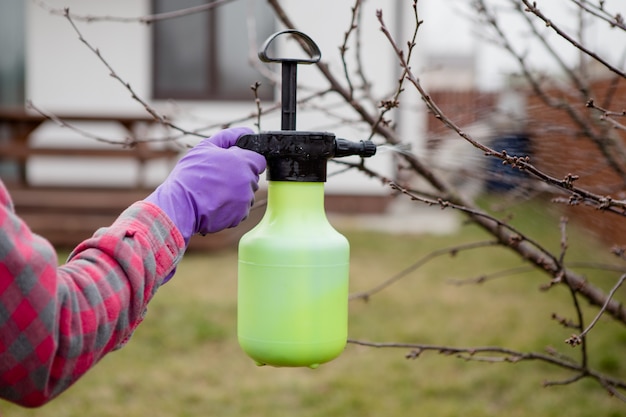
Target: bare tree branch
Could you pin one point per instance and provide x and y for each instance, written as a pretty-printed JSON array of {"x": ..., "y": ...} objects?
[
  {"x": 603, "y": 141},
  {"x": 501, "y": 354},
  {"x": 576, "y": 340},
  {"x": 452, "y": 251},
  {"x": 616, "y": 20},
  {"x": 140, "y": 19},
  {"x": 532, "y": 8},
  {"x": 125, "y": 142},
  {"x": 151, "y": 110}
]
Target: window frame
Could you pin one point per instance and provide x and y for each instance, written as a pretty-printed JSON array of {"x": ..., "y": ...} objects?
[{"x": 211, "y": 92}]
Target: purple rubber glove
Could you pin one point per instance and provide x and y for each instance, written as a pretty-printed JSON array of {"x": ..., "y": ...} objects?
[{"x": 212, "y": 187}]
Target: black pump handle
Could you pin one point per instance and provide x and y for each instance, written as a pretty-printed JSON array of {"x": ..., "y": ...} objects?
[
  {"x": 289, "y": 72},
  {"x": 313, "y": 49}
]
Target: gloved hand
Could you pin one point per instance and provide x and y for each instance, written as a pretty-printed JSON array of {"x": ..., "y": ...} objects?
[{"x": 212, "y": 187}]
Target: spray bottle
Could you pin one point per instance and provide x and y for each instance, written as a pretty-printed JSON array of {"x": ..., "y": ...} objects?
[{"x": 293, "y": 265}]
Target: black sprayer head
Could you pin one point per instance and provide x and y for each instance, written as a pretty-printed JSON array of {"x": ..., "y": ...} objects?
[
  {"x": 301, "y": 156},
  {"x": 294, "y": 155}
]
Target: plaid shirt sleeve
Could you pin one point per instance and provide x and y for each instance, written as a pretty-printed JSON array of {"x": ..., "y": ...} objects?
[{"x": 57, "y": 322}]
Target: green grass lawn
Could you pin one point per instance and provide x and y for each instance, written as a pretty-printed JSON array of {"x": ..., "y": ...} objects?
[{"x": 184, "y": 359}]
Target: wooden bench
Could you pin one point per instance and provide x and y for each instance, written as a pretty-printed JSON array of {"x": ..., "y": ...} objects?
[{"x": 66, "y": 215}]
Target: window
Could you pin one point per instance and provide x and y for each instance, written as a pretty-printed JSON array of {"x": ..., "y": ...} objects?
[
  {"x": 205, "y": 56},
  {"x": 12, "y": 45}
]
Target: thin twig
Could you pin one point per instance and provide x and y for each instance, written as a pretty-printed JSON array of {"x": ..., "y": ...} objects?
[
  {"x": 516, "y": 239},
  {"x": 151, "y": 110},
  {"x": 257, "y": 102},
  {"x": 452, "y": 251},
  {"x": 563, "y": 227},
  {"x": 608, "y": 115},
  {"x": 128, "y": 141},
  {"x": 344, "y": 46},
  {"x": 576, "y": 340},
  {"x": 388, "y": 105},
  {"x": 503, "y": 355},
  {"x": 615, "y": 21},
  {"x": 494, "y": 275},
  {"x": 141, "y": 19},
  {"x": 532, "y": 8},
  {"x": 573, "y": 290},
  {"x": 568, "y": 381},
  {"x": 579, "y": 82}
]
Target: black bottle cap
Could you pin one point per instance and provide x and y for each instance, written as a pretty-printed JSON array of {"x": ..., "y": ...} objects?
[{"x": 301, "y": 156}]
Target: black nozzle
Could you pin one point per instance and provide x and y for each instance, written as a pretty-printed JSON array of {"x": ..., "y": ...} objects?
[
  {"x": 301, "y": 156},
  {"x": 363, "y": 148}
]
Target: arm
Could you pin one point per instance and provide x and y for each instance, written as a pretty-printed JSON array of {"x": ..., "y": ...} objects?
[{"x": 56, "y": 323}]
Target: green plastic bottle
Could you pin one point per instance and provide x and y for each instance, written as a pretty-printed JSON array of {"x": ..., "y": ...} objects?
[
  {"x": 294, "y": 266},
  {"x": 293, "y": 281}
]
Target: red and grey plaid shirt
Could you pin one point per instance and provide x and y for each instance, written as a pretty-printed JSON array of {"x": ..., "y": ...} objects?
[{"x": 57, "y": 322}]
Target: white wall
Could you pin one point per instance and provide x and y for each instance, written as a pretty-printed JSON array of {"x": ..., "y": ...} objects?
[{"x": 64, "y": 76}]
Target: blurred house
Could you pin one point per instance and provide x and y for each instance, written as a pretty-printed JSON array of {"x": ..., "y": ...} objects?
[{"x": 195, "y": 70}]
